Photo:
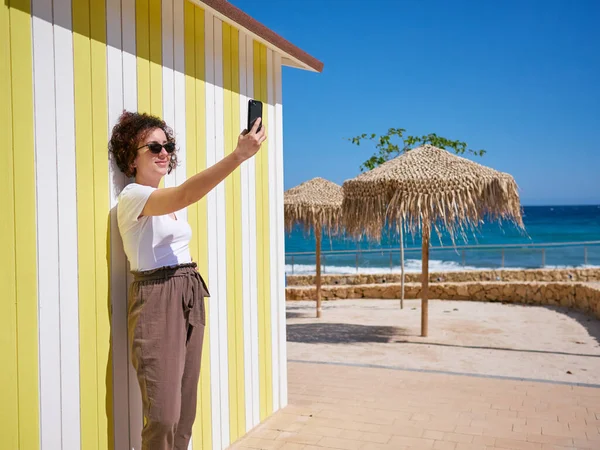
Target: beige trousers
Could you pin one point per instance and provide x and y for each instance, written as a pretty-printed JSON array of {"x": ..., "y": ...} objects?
[{"x": 166, "y": 330}]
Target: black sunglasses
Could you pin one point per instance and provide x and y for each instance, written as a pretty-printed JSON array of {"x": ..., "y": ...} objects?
[{"x": 156, "y": 148}]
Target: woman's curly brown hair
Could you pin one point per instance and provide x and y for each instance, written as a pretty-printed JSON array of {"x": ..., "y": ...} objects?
[{"x": 131, "y": 128}]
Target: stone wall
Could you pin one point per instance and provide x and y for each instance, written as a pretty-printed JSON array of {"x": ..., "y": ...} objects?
[
  {"x": 581, "y": 296},
  {"x": 542, "y": 275}
]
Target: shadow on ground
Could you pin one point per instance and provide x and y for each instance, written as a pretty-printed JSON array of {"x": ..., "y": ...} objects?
[
  {"x": 341, "y": 333},
  {"x": 299, "y": 315},
  {"x": 298, "y": 312}
]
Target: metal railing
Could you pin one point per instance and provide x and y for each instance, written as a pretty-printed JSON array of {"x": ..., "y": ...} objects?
[{"x": 563, "y": 254}]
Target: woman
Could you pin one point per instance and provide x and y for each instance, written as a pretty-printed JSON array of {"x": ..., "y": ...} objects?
[{"x": 166, "y": 299}]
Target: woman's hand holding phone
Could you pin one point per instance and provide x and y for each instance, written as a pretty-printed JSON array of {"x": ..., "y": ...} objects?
[{"x": 249, "y": 142}]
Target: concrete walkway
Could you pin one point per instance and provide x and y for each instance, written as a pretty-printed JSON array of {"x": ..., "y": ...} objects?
[{"x": 336, "y": 406}]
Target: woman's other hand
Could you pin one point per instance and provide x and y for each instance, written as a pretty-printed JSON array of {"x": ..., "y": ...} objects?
[{"x": 249, "y": 142}]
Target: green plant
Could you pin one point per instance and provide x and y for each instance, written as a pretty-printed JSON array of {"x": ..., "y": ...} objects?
[{"x": 388, "y": 149}]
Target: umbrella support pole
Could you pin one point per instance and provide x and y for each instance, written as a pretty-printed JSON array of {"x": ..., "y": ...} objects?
[
  {"x": 425, "y": 282},
  {"x": 401, "y": 267},
  {"x": 318, "y": 267}
]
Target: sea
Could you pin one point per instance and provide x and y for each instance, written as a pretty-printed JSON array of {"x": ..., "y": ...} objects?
[{"x": 554, "y": 237}]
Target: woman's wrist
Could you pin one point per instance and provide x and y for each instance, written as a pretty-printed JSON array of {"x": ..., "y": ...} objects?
[{"x": 237, "y": 156}]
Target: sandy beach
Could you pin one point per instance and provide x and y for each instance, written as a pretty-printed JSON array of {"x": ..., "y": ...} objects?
[{"x": 491, "y": 339}]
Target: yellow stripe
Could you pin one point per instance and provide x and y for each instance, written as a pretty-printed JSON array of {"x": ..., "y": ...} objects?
[
  {"x": 262, "y": 244},
  {"x": 19, "y": 352},
  {"x": 91, "y": 135},
  {"x": 266, "y": 235},
  {"x": 197, "y": 217},
  {"x": 148, "y": 34},
  {"x": 9, "y": 419},
  {"x": 142, "y": 42},
  {"x": 101, "y": 220},
  {"x": 233, "y": 214},
  {"x": 155, "y": 39}
]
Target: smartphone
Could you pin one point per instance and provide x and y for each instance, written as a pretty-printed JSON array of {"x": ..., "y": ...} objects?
[{"x": 254, "y": 112}]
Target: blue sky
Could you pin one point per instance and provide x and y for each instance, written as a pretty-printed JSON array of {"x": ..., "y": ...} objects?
[{"x": 518, "y": 78}]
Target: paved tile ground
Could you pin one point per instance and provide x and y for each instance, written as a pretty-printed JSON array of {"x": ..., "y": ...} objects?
[
  {"x": 336, "y": 401},
  {"x": 357, "y": 408}
]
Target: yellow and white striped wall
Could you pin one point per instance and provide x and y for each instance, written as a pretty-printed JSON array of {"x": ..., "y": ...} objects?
[{"x": 68, "y": 69}]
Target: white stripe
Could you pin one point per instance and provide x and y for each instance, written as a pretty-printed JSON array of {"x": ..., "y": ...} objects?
[
  {"x": 213, "y": 274},
  {"x": 273, "y": 275},
  {"x": 278, "y": 134},
  {"x": 168, "y": 87},
  {"x": 179, "y": 94},
  {"x": 246, "y": 262},
  {"x": 218, "y": 112},
  {"x": 47, "y": 225},
  {"x": 252, "y": 247},
  {"x": 118, "y": 265},
  {"x": 130, "y": 104},
  {"x": 67, "y": 225}
]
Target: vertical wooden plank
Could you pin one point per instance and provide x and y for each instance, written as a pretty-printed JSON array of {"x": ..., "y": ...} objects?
[
  {"x": 267, "y": 235},
  {"x": 237, "y": 238},
  {"x": 273, "y": 231},
  {"x": 233, "y": 230},
  {"x": 118, "y": 260},
  {"x": 219, "y": 412},
  {"x": 278, "y": 133},
  {"x": 196, "y": 161},
  {"x": 252, "y": 247},
  {"x": 25, "y": 251},
  {"x": 229, "y": 233},
  {"x": 263, "y": 240},
  {"x": 47, "y": 225},
  {"x": 247, "y": 263},
  {"x": 207, "y": 403},
  {"x": 221, "y": 231},
  {"x": 155, "y": 57},
  {"x": 101, "y": 223},
  {"x": 179, "y": 94},
  {"x": 89, "y": 47},
  {"x": 67, "y": 224},
  {"x": 85, "y": 224},
  {"x": 9, "y": 386},
  {"x": 191, "y": 157},
  {"x": 260, "y": 249},
  {"x": 142, "y": 41},
  {"x": 168, "y": 77},
  {"x": 130, "y": 103}
]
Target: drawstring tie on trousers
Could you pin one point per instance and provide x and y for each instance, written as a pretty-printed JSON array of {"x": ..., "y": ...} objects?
[{"x": 196, "y": 288}]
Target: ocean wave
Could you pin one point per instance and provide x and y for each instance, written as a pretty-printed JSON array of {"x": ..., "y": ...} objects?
[{"x": 410, "y": 266}]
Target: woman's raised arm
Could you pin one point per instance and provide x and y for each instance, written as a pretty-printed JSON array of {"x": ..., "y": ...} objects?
[{"x": 169, "y": 200}]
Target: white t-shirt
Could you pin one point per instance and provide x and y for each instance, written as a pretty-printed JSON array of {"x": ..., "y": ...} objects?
[{"x": 150, "y": 242}]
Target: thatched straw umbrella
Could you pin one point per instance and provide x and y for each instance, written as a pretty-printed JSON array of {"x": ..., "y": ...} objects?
[
  {"x": 428, "y": 187},
  {"x": 316, "y": 205}
]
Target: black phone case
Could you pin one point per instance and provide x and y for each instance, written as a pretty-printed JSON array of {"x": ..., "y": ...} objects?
[{"x": 254, "y": 112}]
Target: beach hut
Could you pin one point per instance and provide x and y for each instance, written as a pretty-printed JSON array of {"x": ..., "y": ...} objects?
[
  {"x": 315, "y": 205},
  {"x": 427, "y": 188},
  {"x": 68, "y": 68}
]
